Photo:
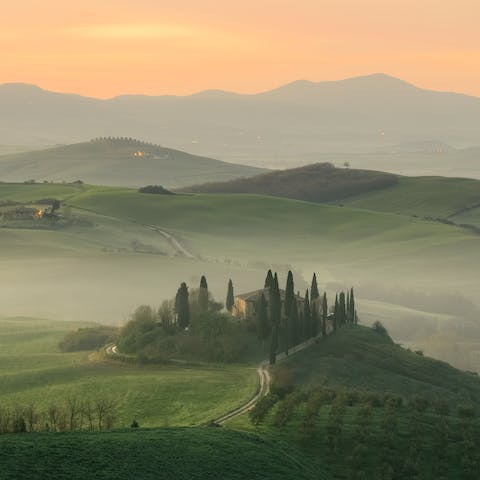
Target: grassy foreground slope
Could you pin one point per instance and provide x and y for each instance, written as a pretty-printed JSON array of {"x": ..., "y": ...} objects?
[
  {"x": 123, "y": 162},
  {"x": 34, "y": 371},
  {"x": 161, "y": 454}
]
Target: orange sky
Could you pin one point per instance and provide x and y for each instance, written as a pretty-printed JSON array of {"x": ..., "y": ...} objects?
[{"x": 103, "y": 48}]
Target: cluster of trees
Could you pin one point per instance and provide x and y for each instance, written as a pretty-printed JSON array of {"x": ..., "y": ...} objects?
[
  {"x": 292, "y": 320},
  {"x": 191, "y": 326},
  {"x": 74, "y": 415},
  {"x": 88, "y": 338},
  {"x": 193, "y": 323},
  {"x": 155, "y": 189}
]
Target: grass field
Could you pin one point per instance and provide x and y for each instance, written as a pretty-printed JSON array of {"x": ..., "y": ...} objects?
[
  {"x": 32, "y": 370},
  {"x": 436, "y": 197},
  {"x": 184, "y": 454}
]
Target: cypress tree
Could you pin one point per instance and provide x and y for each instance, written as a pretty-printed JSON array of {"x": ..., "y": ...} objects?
[
  {"x": 342, "y": 308},
  {"x": 261, "y": 316},
  {"x": 289, "y": 294},
  {"x": 314, "y": 293},
  {"x": 347, "y": 308},
  {"x": 268, "y": 279},
  {"x": 230, "y": 297},
  {"x": 181, "y": 306},
  {"x": 324, "y": 314},
  {"x": 203, "y": 295},
  {"x": 315, "y": 320},
  {"x": 335, "y": 314},
  {"x": 307, "y": 318},
  {"x": 294, "y": 325},
  {"x": 275, "y": 313},
  {"x": 353, "y": 311}
]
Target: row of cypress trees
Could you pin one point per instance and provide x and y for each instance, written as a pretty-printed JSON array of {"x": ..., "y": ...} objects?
[
  {"x": 285, "y": 323},
  {"x": 297, "y": 320}
]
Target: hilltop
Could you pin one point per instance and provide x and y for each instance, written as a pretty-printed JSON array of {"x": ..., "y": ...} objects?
[
  {"x": 118, "y": 162},
  {"x": 303, "y": 122}
]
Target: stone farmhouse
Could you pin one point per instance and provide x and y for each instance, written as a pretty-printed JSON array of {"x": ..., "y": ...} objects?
[{"x": 245, "y": 304}]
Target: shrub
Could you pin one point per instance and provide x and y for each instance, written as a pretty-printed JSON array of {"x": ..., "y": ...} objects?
[
  {"x": 155, "y": 189},
  {"x": 88, "y": 339},
  {"x": 262, "y": 407}
]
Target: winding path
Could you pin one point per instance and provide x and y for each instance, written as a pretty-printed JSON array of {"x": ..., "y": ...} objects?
[
  {"x": 172, "y": 241},
  {"x": 265, "y": 381}
]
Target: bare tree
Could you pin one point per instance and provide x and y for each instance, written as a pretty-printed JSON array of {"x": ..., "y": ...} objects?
[
  {"x": 53, "y": 414},
  {"x": 73, "y": 409},
  {"x": 32, "y": 416}
]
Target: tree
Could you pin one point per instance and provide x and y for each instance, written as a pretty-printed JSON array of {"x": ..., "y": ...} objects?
[
  {"x": 289, "y": 294},
  {"x": 230, "y": 297},
  {"x": 353, "y": 310},
  {"x": 275, "y": 313},
  {"x": 294, "y": 325},
  {"x": 261, "y": 316},
  {"x": 203, "y": 295},
  {"x": 269, "y": 279},
  {"x": 314, "y": 320},
  {"x": 324, "y": 314},
  {"x": 342, "y": 308},
  {"x": 181, "y": 306},
  {"x": 314, "y": 293},
  {"x": 165, "y": 315},
  {"x": 335, "y": 314},
  {"x": 307, "y": 318}
]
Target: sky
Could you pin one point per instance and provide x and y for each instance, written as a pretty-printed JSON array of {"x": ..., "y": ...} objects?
[{"x": 103, "y": 48}]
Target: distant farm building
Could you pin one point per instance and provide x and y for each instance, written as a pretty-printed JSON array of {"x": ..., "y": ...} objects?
[{"x": 245, "y": 304}]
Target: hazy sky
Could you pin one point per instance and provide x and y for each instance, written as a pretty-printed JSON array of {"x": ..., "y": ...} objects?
[{"x": 105, "y": 47}]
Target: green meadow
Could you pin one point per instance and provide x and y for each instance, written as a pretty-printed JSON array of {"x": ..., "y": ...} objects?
[{"x": 34, "y": 371}]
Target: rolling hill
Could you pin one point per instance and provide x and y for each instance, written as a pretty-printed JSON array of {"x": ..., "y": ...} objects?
[
  {"x": 434, "y": 197},
  {"x": 119, "y": 162},
  {"x": 312, "y": 183},
  {"x": 363, "y": 407},
  {"x": 304, "y": 122}
]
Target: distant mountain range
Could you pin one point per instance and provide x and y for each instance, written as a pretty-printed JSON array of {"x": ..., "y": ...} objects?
[
  {"x": 299, "y": 123},
  {"x": 118, "y": 162}
]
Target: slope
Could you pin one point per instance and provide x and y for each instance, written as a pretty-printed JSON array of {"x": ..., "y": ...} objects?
[
  {"x": 361, "y": 358},
  {"x": 164, "y": 454},
  {"x": 124, "y": 162}
]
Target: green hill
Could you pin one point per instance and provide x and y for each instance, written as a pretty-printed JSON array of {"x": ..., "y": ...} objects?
[
  {"x": 436, "y": 197},
  {"x": 360, "y": 358},
  {"x": 125, "y": 162},
  {"x": 161, "y": 454},
  {"x": 367, "y": 408},
  {"x": 422, "y": 196},
  {"x": 320, "y": 182}
]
